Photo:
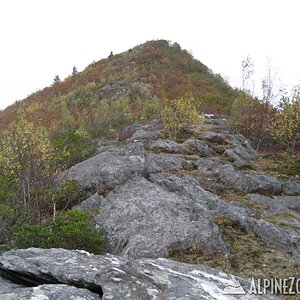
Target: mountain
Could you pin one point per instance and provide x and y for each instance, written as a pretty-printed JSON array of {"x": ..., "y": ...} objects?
[{"x": 154, "y": 70}]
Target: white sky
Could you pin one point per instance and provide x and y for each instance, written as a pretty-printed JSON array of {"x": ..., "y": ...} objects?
[{"x": 44, "y": 38}]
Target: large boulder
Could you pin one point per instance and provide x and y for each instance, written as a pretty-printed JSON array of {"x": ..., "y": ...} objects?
[
  {"x": 110, "y": 168},
  {"x": 143, "y": 219},
  {"x": 113, "y": 277},
  {"x": 45, "y": 292}
]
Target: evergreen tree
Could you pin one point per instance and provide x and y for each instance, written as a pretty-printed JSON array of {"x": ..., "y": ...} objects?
[
  {"x": 56, "y": 79},
  {"x": 74, "y": 71}
]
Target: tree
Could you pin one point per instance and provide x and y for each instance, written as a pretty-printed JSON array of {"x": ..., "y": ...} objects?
[
  {"x": 179, "y": 114},
  {"x": 286, "y": 124},
  {"x": 251, "y": 116},
  {"x": 74, "y": 71},
  {"x": 27, "y": 156},
  {"x": 247, "y": 73},
  {"x": 56, "y": 79}
]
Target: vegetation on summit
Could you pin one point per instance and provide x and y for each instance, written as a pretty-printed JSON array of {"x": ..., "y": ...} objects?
[{"x": 55, "y": 128}]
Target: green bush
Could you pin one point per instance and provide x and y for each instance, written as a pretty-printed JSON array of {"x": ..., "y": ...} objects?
[
  {"x": 69, "y": 194},
  {"x": 72, "y": 229},
  {"x": 27, "y": 235},
  {"x": 76, "y": 144}
]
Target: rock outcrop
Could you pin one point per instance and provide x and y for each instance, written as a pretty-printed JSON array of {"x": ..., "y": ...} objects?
[
  {"x": 152, "y": 197},
  {"x": 143, "y": 219},
  {"x": 151, "y": 200},
  {"x": 58, "y": 273}
]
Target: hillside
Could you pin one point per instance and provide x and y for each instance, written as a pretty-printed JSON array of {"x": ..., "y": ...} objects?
[
  {"x": 153, "y": 70},
  {"x": 178, "y": 217},
  {"x": 130, "y": 165}
]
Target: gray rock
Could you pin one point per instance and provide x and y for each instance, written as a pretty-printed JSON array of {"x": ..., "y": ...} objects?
[
  {"x": 241, "y": 153},
  {"x": 189, "y": 187},
  {"x": 285, "y": 239},
  {"x": 279, "y": 203},
  {"x": 90, "y": 204},
  {"x": 165, "y": 162},
  {"x": 7, "y": 286},
  {"x": 48, "y": 291},
  {"x": 118, "y": 278},
  {"x": 200, "y": 147},
  {"x": 249, "y": 183},
  {"x": 110, "y": 168},
  {"x": 169, "y": 146},
  {"x": 142, "y": 219},
  {"x": 143, "y": 136},
  {"x": 272, "y": 235},
  {"x": 291, "y": 188},
  {"x": 214, "y": 137},
  {"x": 212, "y": 164}
]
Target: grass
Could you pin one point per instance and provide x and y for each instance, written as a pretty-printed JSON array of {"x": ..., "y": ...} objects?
[
  {"x": 248, "y": 255},
  {"x": 275, "y": 220},
  {"x": 282, "y": 165},
  {"x": 243, "y": 198}
]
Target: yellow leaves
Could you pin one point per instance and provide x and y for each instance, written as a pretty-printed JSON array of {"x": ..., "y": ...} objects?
[
  {"x": 179, "y": 114},
  {"x": 23, "y": 147},
  {"x": 286, "y": 124}
]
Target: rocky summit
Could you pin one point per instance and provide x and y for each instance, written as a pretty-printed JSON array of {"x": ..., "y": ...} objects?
[{"x": 155, "y": 197}]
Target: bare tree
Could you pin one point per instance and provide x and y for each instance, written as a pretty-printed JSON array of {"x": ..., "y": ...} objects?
[{"x": 247, "y": 76}]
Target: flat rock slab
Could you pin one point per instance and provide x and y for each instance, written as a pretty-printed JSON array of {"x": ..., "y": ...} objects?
[
  {"x": 113, "y": 277},
  {"x": 143, "y": 219},
  {"x": 49, "y": 292}
]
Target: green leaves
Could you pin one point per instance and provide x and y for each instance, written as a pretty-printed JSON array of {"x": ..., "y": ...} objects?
[
  {"x": 72, "y": 229},
  {"x": 28, "y": 159}
]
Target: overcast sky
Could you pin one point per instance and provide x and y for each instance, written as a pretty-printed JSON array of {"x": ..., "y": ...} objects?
[{"x": 41, "y": 39}]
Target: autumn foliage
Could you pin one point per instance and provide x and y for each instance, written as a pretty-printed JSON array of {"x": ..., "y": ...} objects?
[
  {"x": 286, "y": 124},
  {"x": 178, "y": 115}
]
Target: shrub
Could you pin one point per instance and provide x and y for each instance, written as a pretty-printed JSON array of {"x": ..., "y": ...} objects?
[
  {"x": 76, "y": 144},
  {"x": 72, "y": 229},
  {"x": 27, "y": 235},
  {"x": 252, "y": 118},
  {"x": 27, "y": 158},
  {"x": 286, "y": 124},
  {"x": 69, "y": 194},
  {"x": 179, "y": 114}
]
